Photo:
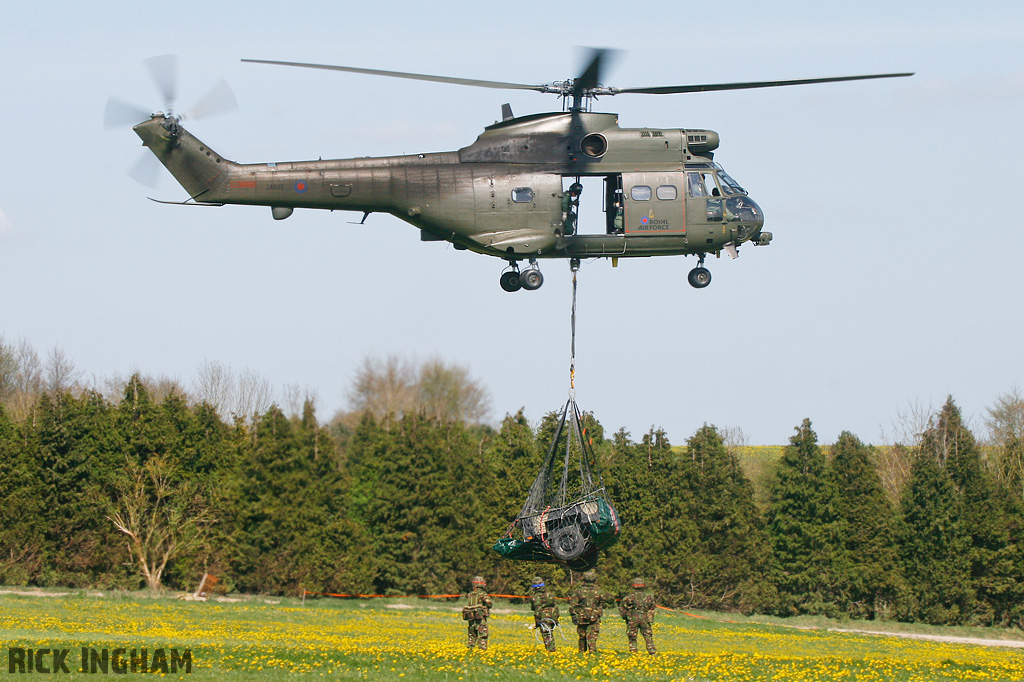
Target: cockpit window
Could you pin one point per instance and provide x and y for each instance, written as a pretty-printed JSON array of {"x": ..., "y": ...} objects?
[
  {"x": 701, "y": 184},
  {"x": 729, "y": 185}
]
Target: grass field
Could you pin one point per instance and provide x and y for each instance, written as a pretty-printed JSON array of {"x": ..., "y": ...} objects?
[{"x": 259, "y": 639}]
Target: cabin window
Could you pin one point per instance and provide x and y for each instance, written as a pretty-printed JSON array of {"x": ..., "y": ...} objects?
[
  {"x": 522, "y": 195},
  {"x": 640, "y": 193},
  {"x": 668, "y": 192}
]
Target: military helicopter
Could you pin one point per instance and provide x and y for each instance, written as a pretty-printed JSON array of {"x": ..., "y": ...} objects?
[{"x": 514, "y": 192}]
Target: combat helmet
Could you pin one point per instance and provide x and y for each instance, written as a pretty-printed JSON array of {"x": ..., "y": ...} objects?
[
  {"x": 538, "y": 582},
  {"x": 478, "y": 581},
  {"x": 639, "y": 583},
  {"x": 590, "y": 577},
  {"x": 575, "y": 187}
]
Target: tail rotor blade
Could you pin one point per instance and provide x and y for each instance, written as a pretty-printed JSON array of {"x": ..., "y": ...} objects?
[
  {"x": 218, "y": 100},
  {"x": 164, "y": 70},
  {"x": 119, "y": 114},
  {"x": 146, "y": 171}
]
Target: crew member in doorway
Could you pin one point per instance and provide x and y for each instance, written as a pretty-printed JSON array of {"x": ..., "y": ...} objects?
[{"x": 570, "y": 208}]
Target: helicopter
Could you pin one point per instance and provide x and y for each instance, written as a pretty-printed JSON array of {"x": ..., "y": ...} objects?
[{"x": 514, "y": 192}]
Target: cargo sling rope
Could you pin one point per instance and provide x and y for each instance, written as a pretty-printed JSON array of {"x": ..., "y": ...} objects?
[{"x": 568, "y": 517}]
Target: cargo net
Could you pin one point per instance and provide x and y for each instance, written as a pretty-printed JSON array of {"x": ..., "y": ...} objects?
[{"x": 567, "y": 517}]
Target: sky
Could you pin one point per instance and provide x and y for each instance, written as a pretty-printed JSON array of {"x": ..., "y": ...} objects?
[{"x": 892, "y": 282}]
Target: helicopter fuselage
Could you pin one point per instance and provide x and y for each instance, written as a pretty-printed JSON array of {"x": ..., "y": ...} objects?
[{"x": 504, "y": 194}]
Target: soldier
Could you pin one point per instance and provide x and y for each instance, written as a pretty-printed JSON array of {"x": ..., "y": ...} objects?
[
  {"x": 586, "y": 606},
  {"x": 571, "y": 207},
  {"x": 475, "y": 614},
  {"x": 545, "y": 612},
  {"x": 637, "y": 609}
]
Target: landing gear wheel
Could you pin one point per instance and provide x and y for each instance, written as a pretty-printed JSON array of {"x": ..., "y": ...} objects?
[
  {"x": 510, "y": 281},
  {"x": 531, "y": 279},
  {"x": 699, "y": 278}
]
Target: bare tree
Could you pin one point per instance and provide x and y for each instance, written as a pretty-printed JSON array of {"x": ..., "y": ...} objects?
[
  {"x": 215, "y": 385},
  {"x": 253, "y": 395},
  {"x": 163, "y": 516},
  {"x": 448, "y": 392},
  {"x": 59, "y": 373},
  {"x": 1005, "y": 426},
  {"x": 1005, "y": 420},
  {"x": 8, "y": 370},
  {"x": 909, "y": 425},
  {"x": 25, "y": 382},
  {"x": 396, "y": 386},
  {"x": 158, "y": 386},
  {"x": 384, "y": 387},
  {"x": 294, "y": 399},
  {"x": 240, "y": 395},
  {"x": 734, "y": 438},
  {"x": 895, "y": 458}
]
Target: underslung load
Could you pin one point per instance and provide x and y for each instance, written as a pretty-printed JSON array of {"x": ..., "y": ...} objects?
[{"x": 568, "y": 517}]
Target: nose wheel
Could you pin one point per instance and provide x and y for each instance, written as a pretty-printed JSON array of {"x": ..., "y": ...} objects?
[
  {"x": 700, "y": 276},
  {"x": 514, "y": 280}
]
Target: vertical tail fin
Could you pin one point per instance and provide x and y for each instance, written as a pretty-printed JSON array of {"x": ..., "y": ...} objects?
[{"x": 201, "y": 171}]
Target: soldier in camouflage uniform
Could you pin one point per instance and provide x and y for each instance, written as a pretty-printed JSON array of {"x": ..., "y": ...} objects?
[
  {"x": 476, "y": 612},
  {"x": 545, "y": 612},
  {"x": 586, "y": 606},
  {"x": 637, "y": 609}
]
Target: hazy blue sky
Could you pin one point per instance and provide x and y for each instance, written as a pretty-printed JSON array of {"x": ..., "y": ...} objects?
[{"x": 894, "y": 278}]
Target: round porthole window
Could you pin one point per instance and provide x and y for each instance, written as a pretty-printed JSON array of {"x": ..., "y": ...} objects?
[{"x": 594, "y": 145}]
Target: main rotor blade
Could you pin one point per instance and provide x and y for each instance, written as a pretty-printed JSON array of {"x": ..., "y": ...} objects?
[
  {"x": 591, "y": 75},
  {"x": 710, "y": 87},
  {"x": 165, "y": 74},
  {"x": 412, "y": 76}
]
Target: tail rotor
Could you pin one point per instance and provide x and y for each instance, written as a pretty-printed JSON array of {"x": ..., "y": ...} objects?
[{"x": 163, "y": 70}]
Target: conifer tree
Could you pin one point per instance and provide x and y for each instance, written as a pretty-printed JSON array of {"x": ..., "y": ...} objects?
[
  {"x": 934, "y": 546},
  {"x": 23, "y": 542},
  {"x": 738, "y": 554},
  {"x": 77, "y": 461},
  {"x": 984, "y": 508},
  {"x": 871, "y": 576},
  {"x": 513, "y": 459},
  {"x": 658, "y": 538},
  {"x": 804, "y": 527},
  {"x": 418, "y": 485}
]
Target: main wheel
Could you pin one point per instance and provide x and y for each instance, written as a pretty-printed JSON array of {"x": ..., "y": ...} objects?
[
  {"x": 510, "y": 281},
  {"x": 699, "y": 278},
  {"x": 531, "y": 279}
]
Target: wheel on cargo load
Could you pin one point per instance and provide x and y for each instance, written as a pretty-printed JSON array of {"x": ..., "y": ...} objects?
[{"x": 566, "y": 543}]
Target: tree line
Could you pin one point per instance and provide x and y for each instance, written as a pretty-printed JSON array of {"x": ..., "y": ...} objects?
[{"x": 407, "y": 498}]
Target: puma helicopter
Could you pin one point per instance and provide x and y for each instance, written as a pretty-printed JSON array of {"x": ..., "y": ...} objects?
[{"x": 514, "y": 192}]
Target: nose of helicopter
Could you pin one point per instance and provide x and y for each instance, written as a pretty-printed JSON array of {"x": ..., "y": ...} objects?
[
  {"x": 743, "y": 209},
  {"x": 746, "y": 215},
  {"x": 751, "y": 222}
]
